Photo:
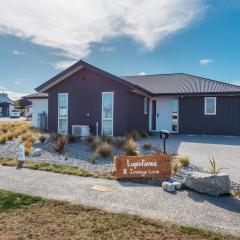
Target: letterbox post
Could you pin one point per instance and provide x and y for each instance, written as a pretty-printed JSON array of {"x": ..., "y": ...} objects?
[{"x": 164, "y": 135}]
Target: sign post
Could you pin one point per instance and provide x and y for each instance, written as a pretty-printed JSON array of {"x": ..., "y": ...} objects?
[{"x": 21, "y": 156}]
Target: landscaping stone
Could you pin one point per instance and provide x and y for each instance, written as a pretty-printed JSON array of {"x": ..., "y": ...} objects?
[
  {"x": 177, "y": 185},
  {"x": 215, "y": 185},
  {"x": 168, "y": 187},
  {"x": 37, "y": 152}
]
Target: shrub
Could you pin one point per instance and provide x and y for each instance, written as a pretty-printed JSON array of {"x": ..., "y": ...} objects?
[
  {"x": 147, "y": 146},
  {"x": 28, "y": 150},
  {"x": 151, "y": 134},
  {"x": 107, "y": 139},
  {"x": 26, "y": 136},
  {"x": 214, "y": 170},
  {"x": 144, "y": 134},
  {"x": 130, "y": 148},
  {"x": 71, "y": 139},
  {"x": 56, "y": 136},
  {"x": 89, "y": 139},
  {"x": 104, "y": 149},
  {"x": 95, "y": 143},
  {"x": 42, "y": 138},
  {"x": 119, "y": 142},
  {"x": 135, "y": 135},
  {"x": 9, "y": 136},
  {"x": 175, "y": 167},
  {"x": 59, "y": 147},
  {"x": 3, "y": 139},
  {"x": 184, "y": 160},
  {"x": 94, "y": 157}
]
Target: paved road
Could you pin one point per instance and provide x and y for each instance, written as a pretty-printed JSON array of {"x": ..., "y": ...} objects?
[
  {"x": 186, "y": 208},
  {"x": 225, "y": 150}
]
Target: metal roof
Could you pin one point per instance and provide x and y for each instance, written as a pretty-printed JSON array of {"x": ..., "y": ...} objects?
[
  {"x": 36, "y": 95},
  {"x": 180, "y": 83}
]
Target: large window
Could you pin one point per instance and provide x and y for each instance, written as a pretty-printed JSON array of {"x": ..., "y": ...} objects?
[
  {"x": 175, "y": 115},
  {"x": 63, "y": 113},
  {"x": 107, "y": 113},
  {"x": 210, "y": 106}
]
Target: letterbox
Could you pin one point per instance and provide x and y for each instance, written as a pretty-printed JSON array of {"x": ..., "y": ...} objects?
[{"x": 164, "y": 134}]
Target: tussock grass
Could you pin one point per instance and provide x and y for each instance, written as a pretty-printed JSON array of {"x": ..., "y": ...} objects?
[
  {"x": 56, "y": 168},
  {"x": 48, "y": 219},
  {"x": 184, "y": 160},
  {"x": 130, "y": 148},
  {"x": 104, "y": 149}
]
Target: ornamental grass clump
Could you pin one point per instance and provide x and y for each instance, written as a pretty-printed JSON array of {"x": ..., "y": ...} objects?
[
  {"x": 147, "y": 146},
  {"x": 119, "y": 142},
  {"x": 42, "y": 138},
  {"x": 214, "y": 170},
  {"x": 3, "y": 139},
  {"x": 130, "y": 148},
  {"x": 135, "y": 135},
  {"x": 104, "y": 149},
  {"x": 71, "y": 139},
  {"x": 59, "y": 147},
  {"x": 184, "y": 160}
]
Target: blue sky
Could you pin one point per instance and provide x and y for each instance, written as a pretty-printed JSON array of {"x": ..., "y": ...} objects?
[{"x": 202, "y": 39}]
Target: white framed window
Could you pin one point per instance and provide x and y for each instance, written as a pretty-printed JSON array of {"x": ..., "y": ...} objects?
[
  {"x": 107, "y": 113},
  {"x": 145, "y": 106},
  {"x": 63, "y": 113},
  {"x": 210, "y": 105}
]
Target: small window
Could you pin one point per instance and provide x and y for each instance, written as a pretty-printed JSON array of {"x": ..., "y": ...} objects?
[
  {"x": 210, "y": 106},
  {"x": 145, "y": 106}
]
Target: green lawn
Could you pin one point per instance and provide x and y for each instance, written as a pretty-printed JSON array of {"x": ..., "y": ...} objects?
[{"x": 26, "y": 217}]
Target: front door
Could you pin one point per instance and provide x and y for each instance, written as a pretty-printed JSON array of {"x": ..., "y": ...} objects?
[{"x": 167, "y": 114}]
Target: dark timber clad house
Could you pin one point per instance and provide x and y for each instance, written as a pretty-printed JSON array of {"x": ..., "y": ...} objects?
[{"x": 179, "y": 103}]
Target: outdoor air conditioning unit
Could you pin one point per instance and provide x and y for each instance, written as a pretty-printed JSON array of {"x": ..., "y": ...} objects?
[{"x": 80, "y": 130}]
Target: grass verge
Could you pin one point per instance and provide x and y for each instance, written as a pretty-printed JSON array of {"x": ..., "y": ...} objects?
[
  {"x": 56, "y": 168},
  {"x": 26, "y": 217}
]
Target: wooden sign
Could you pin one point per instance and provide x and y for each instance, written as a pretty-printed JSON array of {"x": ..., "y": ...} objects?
[{"x": 149, "y": 166}]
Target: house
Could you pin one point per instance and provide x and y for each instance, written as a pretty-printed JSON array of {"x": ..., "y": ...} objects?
[
  {"x": 25, "y": 106},
  {"x": 6, "y": 104},
  {"x": 180, "y": 103},
  {"x": 39, "y": 109}
]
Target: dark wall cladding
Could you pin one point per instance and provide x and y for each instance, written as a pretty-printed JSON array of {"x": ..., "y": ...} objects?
[
  {"x": 193, "y": 121},
  {"x": 85, "y": 97}
]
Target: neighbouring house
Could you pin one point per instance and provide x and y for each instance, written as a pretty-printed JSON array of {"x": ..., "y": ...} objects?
[
  {"x": 180, "y": 103},
  {"x": 25, "y": 106},
  {"x": 6, "y": 104},
  {"x": 39, "y": 109}
]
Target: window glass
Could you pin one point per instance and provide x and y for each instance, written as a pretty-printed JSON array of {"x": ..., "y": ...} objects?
[
  {"x": 107, "y": 127},
  {"x": 175, "y": 115},
  {"x": 107, "y": 105},
  {"x": 145, "y": 106},
  {"x": 210, "y": 105}
]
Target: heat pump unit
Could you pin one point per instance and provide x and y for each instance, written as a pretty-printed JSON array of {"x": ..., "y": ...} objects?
[{"x": 80, "y": 130}]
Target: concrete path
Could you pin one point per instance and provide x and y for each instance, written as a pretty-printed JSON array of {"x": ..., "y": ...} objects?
[
  {"x": 184, "y": 207},
  {"x": 225, "y": 150}
]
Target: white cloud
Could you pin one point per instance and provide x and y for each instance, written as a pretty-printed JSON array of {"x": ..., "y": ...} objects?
[
  {"x": 63, "y": 64},
  {"x": 236, "y": 83},
  {"x": 71, "y": 27},
  {"x": 11, "y": 94},
  {"x": 141, "y": 73},
  {"x": 206, "y": 61},
  {"x": 16, "y": 52},
  {"x": 17, "y": 82},
  {"x": 107, "y": 49}
]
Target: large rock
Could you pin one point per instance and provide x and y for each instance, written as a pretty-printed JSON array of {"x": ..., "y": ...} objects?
[
  {"x": 168, "y": 187},
  {"x": 208, "y": 183},
  {"x": 37, "y": 152}
]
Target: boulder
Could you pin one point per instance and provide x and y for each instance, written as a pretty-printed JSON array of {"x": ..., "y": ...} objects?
[
  {"x": 168, "y": 187},
  {"x": 177, "y": 185},
  {"x": 37, "y": 152},
  {"x": 211, "y": 184}
]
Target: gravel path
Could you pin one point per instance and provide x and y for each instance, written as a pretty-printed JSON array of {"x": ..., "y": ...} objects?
[{"x": 185, "y": 207}]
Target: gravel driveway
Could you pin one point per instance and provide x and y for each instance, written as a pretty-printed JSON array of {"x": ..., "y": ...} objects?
[
  {"x": 185, "y": 207},
  {"x": 225, "y": 150}
]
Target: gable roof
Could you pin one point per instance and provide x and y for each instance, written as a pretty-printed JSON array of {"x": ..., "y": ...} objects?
[
  {"x": 76, "y": 67},
  {"x": 158, "y": 84},
  {"x": 180, "y": 83},
  {"x": 4, "y": 98}
]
